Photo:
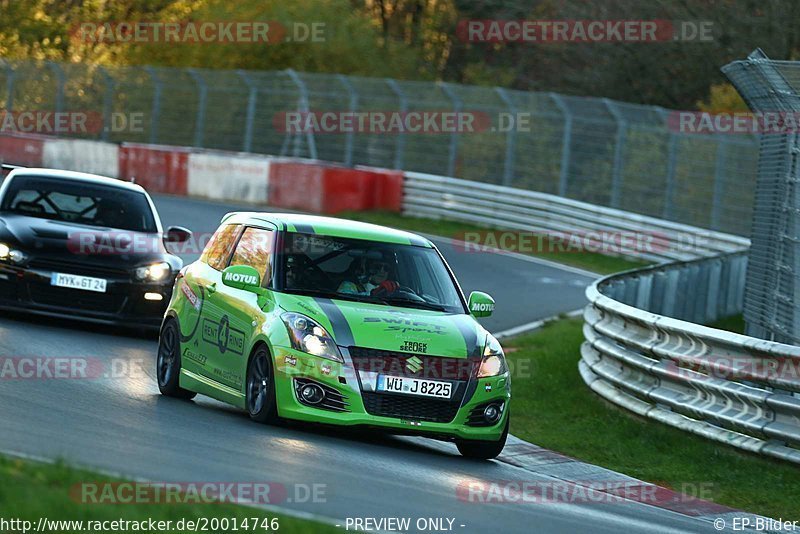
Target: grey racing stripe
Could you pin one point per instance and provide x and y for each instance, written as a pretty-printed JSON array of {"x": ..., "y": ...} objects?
[
  {"x": 465, "y": 325},
  {"x": 341, "y": 328},
  {"x": 304, "y": 228}
]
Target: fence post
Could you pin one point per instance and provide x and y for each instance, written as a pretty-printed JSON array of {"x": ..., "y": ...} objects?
[
  {"x": 303, "y": 105},
  {"x": 155, "y": 110},
  {"x": 200, "y": 120},
  {"x": 672, "y": 148},
  {"x": 511, "y": 138},
  {"x": 108, "y": 98},
  {"x": 622, "y": 130},
  {"x": 453, "y": 151},
  {"x": 10, "y": 74},
  {"x": 251, "y": 110},
  {"x": 353, "y": 104},
  {"x": 565, "y": 143},
  {"x": 400, "y": 148},
  {"x": 719, "y": 181},
  {"x": 60, "y": 87}
]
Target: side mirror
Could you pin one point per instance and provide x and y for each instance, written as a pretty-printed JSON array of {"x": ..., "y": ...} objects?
[
  {"x": 480, "y": 304},
  {"x": 242, "y": 277},
  {"x": 177, "y": 234}
]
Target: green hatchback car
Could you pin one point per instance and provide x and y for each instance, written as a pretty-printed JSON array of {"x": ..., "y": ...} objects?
[{"x": 337, "y": 322}]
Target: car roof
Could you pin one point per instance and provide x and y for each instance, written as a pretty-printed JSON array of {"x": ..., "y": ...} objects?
[
  {"x": 95, "y": 179},
  {"x": 329, "y": 226}
]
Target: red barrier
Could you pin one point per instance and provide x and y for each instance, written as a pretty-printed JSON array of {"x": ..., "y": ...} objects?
[
  {"x": 22, "y": 149},
  {"x": 323, "y": 189},
  {"x": 159, "y": 169}
]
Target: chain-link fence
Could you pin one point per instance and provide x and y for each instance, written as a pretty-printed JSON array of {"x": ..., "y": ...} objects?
[
  {"x": 591, "y": 149},
  {"x": 772, "y": 290}
]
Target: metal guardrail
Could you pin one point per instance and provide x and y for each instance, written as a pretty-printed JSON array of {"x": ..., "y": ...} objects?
[
  {"x": 510, "y": 208},
  {"x": 642, "y": 353}
]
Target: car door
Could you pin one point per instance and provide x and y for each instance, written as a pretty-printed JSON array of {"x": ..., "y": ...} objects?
[
  {"x": 200, "y": 282},
  {"x": 235, "y": 314}
]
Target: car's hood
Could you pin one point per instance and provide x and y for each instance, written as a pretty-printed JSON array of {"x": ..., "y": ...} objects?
[
  {"x": 78, "y": 243},
  {"x": 391, "y": 328}
]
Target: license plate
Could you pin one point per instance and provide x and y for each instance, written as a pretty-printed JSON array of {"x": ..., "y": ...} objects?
[
  {"x": 415, "y": 386},
  {"x": 72, "y": 281}
]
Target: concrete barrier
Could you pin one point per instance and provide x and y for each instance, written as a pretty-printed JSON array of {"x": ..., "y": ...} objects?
[
  {"x": 159, "y": 169},
  {"x": 95, "y": 157},
  {"x": 225, "y": 176}
]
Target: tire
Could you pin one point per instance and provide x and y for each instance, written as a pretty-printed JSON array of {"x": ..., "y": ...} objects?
[
  {"x": 483, "y": 450},
  {"x": 168, "y": 363},
  {"x": 260, "y": 392}
]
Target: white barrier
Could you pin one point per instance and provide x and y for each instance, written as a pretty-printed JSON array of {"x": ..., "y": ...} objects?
[
  {"x": 95, "y": 157},
  {"x": 229, "y": 177}
]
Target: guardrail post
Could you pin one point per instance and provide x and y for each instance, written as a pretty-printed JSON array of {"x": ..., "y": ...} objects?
[
  {"x": 252, "y": 95},
  {"x": 565, "y": 144},
  {"x": 719, "y": 181},
  {"x": 108, "y": 99},
  {"x": 155, "y": 110},
  {"x": 200, "y": 120},
  {"x": 453, "y": 152},
  {"x": 59, "y": 73},
  {"x": 400, "y": 148},
  {"x": 511, "y": 138},
  {"x": 353, "y": 105},
  {"x": 10, "y": 75},
  {"x": 303, "y": 105},
  {"x": 619, "y": 145}
]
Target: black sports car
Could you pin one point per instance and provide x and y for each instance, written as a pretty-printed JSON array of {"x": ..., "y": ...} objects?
[{"x": 78, "y": 245}]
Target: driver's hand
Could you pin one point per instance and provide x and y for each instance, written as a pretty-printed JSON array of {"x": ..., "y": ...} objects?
[{"x": 387, "y": 287}]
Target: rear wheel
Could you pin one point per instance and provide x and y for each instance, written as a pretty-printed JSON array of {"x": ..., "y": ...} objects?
[
  {"x": 168, "y": 363},
  {"x": 483, "y": 450},
  {"x": 261, "y": 388}
]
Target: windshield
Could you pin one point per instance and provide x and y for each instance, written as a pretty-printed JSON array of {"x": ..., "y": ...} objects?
[
  {"x": 79, "y": 202},
  {"x": 368, "y": 271}
]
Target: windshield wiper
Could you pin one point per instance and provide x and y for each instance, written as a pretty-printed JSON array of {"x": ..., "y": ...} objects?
[
  {"x": 412, "y": 303},
  {"x": 331, "y": 295}
]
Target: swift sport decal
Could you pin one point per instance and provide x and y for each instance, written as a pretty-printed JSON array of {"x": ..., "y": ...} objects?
[{"x": 398, "y": 324}]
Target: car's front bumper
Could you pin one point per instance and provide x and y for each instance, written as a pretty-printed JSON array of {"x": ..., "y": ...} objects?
[
  {"x": 292, "y": 365},
  {"x": 123, "y": 303}
]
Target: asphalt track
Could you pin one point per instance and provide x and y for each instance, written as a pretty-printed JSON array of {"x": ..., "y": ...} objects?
[{"x": 120, "y": 423}]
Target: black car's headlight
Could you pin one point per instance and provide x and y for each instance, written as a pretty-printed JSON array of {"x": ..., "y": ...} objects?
[
  {"x": 155, "y": 272},
  {"x": 10, "y": 254},
  {"x": 309, "y": 337},
  {"x": 494, "y": 361}
]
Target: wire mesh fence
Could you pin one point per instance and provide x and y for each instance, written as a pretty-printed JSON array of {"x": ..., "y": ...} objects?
[
  {"x": 772, "y": 288},
  {"x": 590, "y": 149}
]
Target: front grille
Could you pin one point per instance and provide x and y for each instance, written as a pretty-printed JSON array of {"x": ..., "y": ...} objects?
[
  {"x": 407, "y": 406},
  {"x": 395, "y": 364},
  {"x": 76, "y": 299},
  {"x": 333, "y": 401},
  {"x": 81, "y": 269}
]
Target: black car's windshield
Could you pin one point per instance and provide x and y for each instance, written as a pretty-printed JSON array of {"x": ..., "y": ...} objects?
[
  {"x": 368, "y": 271},
  {"x": 62, "y": 199}
]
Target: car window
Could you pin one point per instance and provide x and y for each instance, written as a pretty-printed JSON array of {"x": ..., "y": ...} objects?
[
  {"x": 219, "y": 247},
  {"x": 63, "y": 199},
  {"x": 255, "y": 249}
]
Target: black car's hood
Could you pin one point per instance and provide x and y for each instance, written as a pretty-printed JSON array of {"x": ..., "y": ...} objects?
[{"x": 80, "y": 243}]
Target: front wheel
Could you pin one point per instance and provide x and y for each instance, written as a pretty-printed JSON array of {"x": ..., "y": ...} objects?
[
  {"x": 261, "y": 388},
  {"x": 168, "y": 363},
  {"x": 483, "y": 450}
]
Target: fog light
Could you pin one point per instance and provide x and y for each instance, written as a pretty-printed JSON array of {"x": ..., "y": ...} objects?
[
  {"x": 312, "y": 394},
  {"x": 492, "y": 413},
  {"x": 153, "y": 296}
]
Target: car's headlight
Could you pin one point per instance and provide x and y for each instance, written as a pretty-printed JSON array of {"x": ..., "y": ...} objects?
[
  {"x": 9, "y": 254},
  {"x": 308, "y": 336},
  {"x": 494, "y": 361},
  {"x": 152, "y": 273}
]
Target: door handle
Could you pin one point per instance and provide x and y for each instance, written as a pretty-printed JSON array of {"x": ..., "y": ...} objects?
[{"x": 211, "y": 288}]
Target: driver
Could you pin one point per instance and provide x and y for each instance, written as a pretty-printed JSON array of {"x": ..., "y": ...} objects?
[{"x": 368, "y": 278}]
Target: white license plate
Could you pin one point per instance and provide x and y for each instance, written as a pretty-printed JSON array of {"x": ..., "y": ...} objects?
[
  {"x": 415, "y": 386},
  {"x": 84, "y": 283}
]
